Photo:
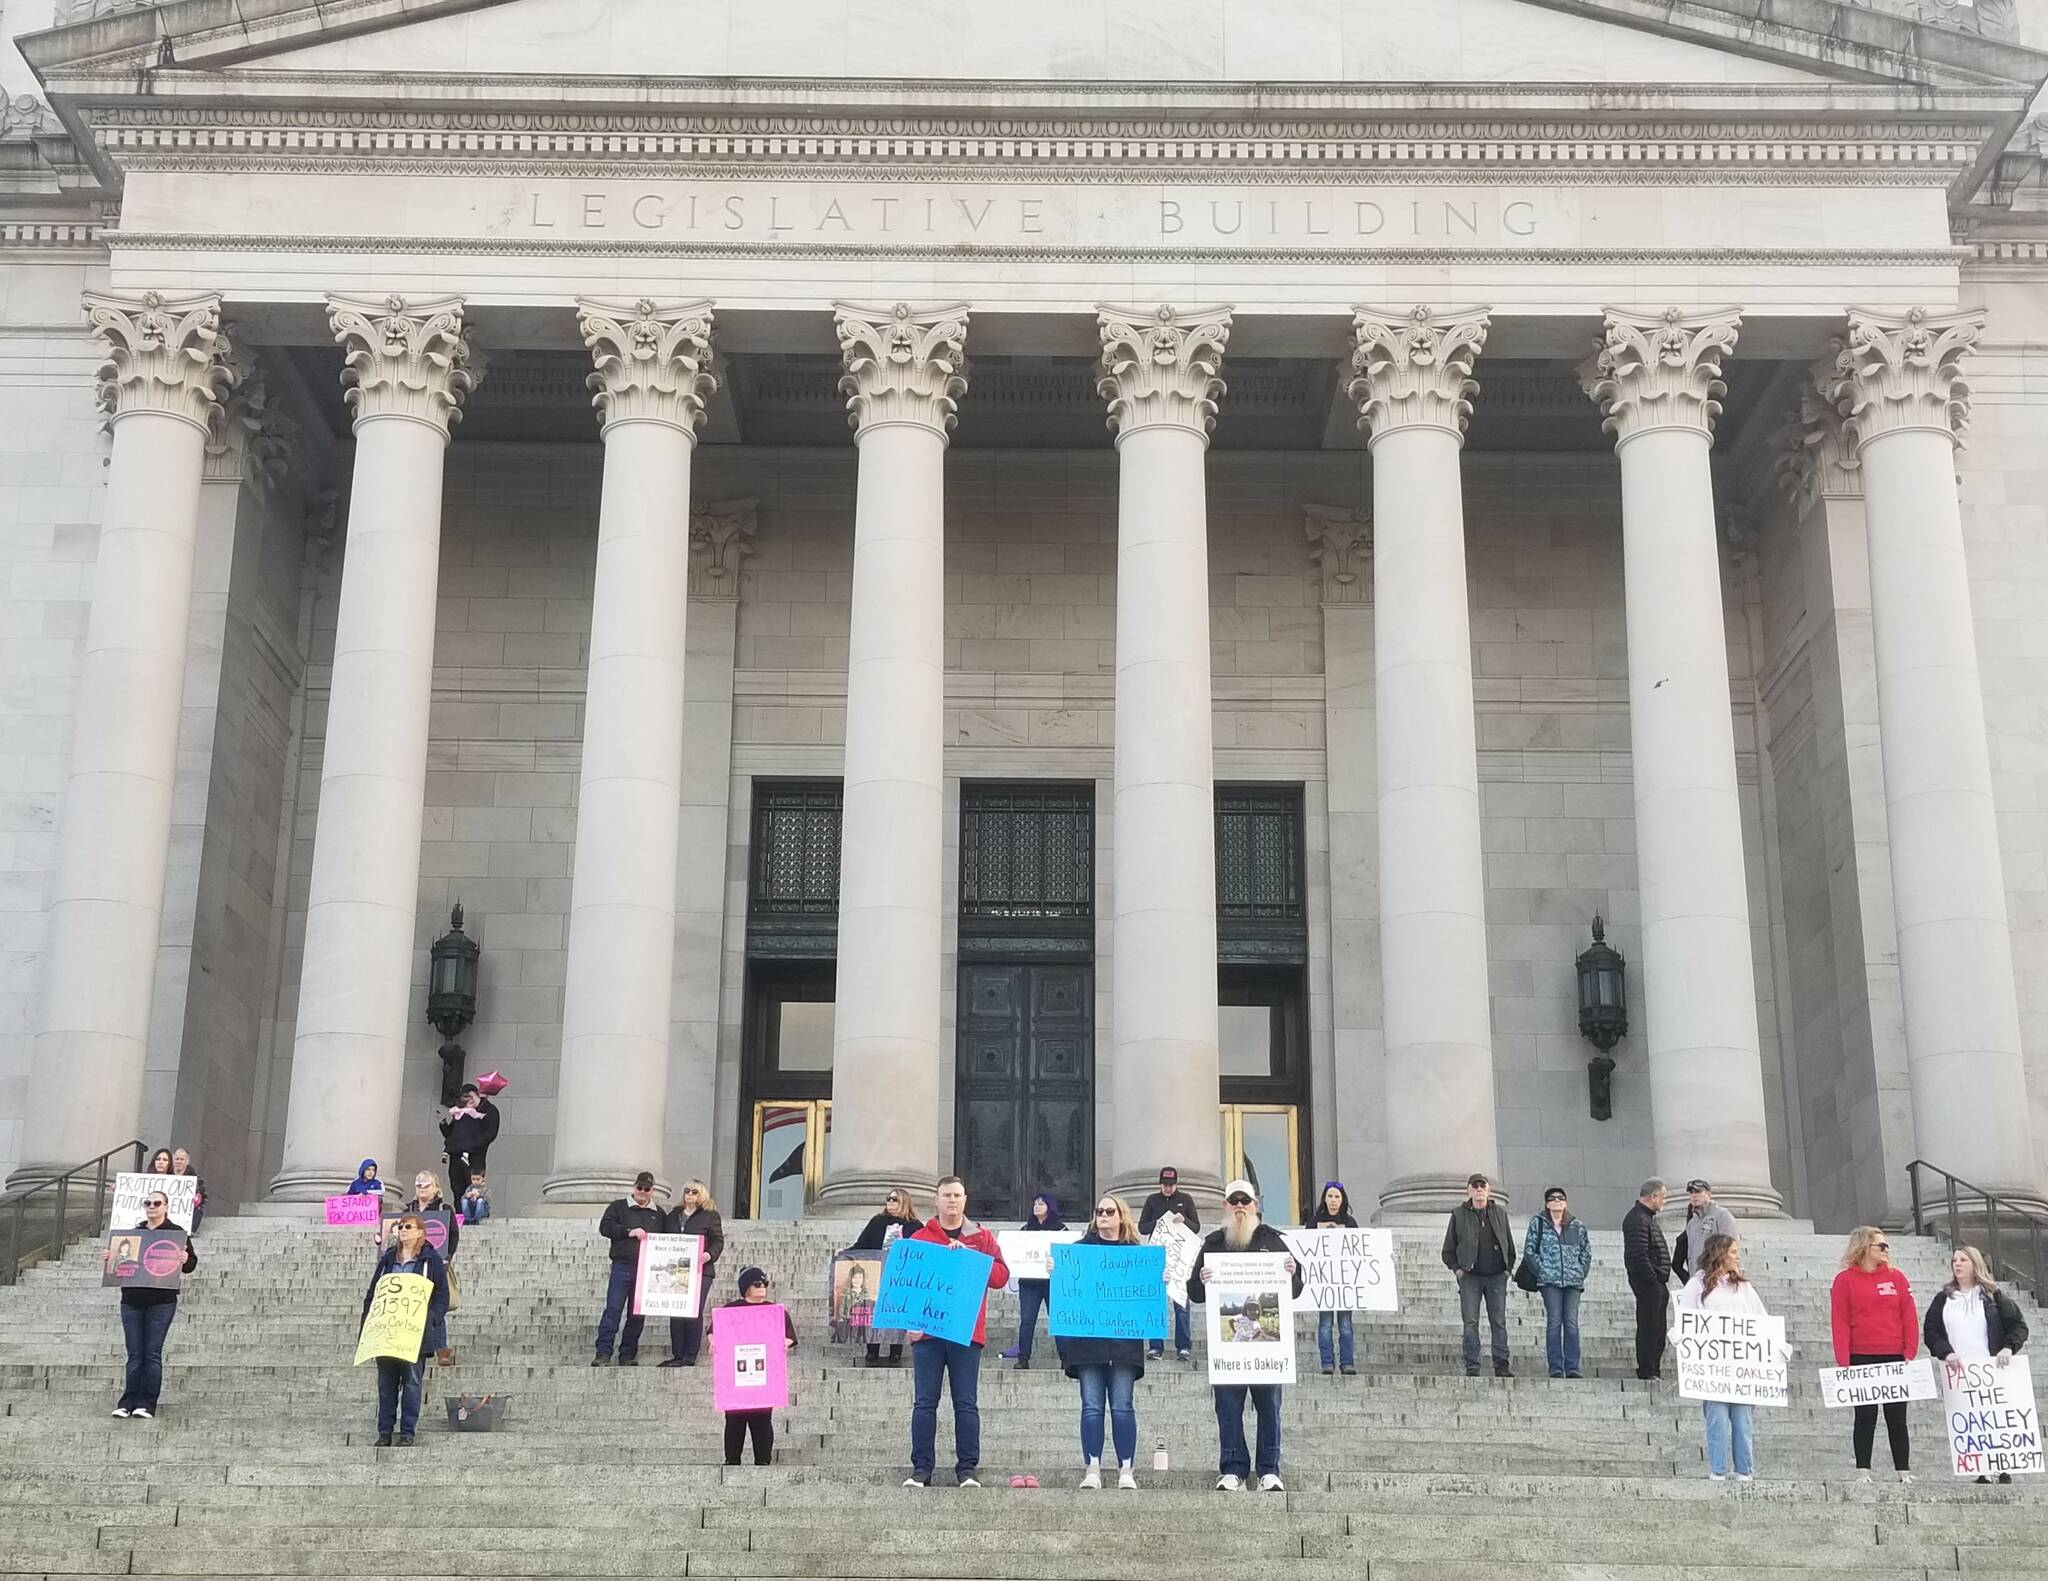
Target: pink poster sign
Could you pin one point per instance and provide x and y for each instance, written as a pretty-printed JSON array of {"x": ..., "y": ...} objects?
[
  {"x": 357, "y": 1210},
  {"x": 749, "y": 1358}
]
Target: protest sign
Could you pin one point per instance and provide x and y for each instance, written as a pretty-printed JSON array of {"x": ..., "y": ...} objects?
[
  {"x": 357, "y": 1211},
  {"x": 667, "y": 1284},
  {"x": 397, "y": 1320},
  {"x": 181, "y": 1192},
  {"x": 749, "y": 1358},
  {"x": 1108, "y": 1292},
  {"x": 855, "y": 1277},
  {"x": 1250, "y": 1302},
  {"x": 1880, "y": 1383},
  {"x": 146, "y": 1259},
  {"x": 1183, "y": 1246},
  {"x": 439, "y": 1224},
  {"x": 1345, "y": 1270},
  {"x": 932, "y": 1289},
  {"x": 1994, "y": 1426},
  {"x": 1028, "y": 1251},
  {"x": 1738, "y": 1357}
]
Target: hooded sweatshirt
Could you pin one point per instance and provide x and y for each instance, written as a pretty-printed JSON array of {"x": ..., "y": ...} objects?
[
  {"x": 360, "y": 1187},
  {"x": 1873, "y": 1315}
]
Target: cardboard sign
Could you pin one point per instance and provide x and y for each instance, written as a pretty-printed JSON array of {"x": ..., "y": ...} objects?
[
  {"x": 1345, "y": 1270},
  {"x": 397, "y": 1320},
  {"x": 1250, "y": 1323},
  {"x": 181, "y": 1192},
  {"x": 439, "y": 1224},
  {"x": 749, "y": 1358},
  {"x": 146, "y": 1259},
  {"x": 1108, "y": 1292},
  {"x": 1182, "y": 1246},
  {"x": 933, "y": 1289},
  {"x": 669, "y": 1283},
  {"x": 356, "y": 1211},
  {"x": 1994, "y": 1426},
  {"x": 1878, "y": 1384},
  {"x": 1734, "y": 1356},
  {"x": 1029, "y": 1252}
]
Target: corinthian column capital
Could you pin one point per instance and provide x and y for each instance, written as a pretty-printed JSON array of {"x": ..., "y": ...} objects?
[
  {"x": 1660, "y": 370},
  {"x": 163, "y": 354},
  {"x": 1816, "y": 453},
  {"x": 1903, "y": 370},
  {"x": 653, "y": 361},
  {"x": 904, "y": 364},
  {"x": 404, "y": 359},
  {"x": 252, "y": 437},
  {"x": 1160, "y": 366},
  {"x": 1414, "y": 368}
]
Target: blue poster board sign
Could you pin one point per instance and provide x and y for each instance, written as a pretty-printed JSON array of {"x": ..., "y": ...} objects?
[
  {"x": 932, "y": 1289},
  {"x": 1108, "y": 1292}
]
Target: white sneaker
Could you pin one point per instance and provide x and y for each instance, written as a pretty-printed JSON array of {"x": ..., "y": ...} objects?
[
  {"x": 915, "y": 1482},
  {"x": 147, "y": 1414},
  {"x": 970, "y": 1482},
  {"x": 1906, "y": 1478},
  {"x": 1271, "y": 1483},
  {"x": 1862, "y": 1477},
  {"x": 1125, "y": 1477},
  {"x": 1717, "y": 1476},
  {"x": 120, "y": 1410},
  {"x": 1745, "y": 1477},
  {"x": 1092, "y": 1477},
  {"x": 1229, "y": 1482}
]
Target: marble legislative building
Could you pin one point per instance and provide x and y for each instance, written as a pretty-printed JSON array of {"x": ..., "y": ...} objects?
[{"x": 1031, "y": 590}]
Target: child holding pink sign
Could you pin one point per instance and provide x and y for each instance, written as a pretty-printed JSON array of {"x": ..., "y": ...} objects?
[{"x": 750, "y": 1370}]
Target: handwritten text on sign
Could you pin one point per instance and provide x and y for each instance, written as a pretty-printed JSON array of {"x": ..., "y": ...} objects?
[
  {"x": 1108, "y": 1292},
  {"x": 1346, "y": 1270},
  {"x": 1182, "y": 1246},
  {"x": 1734, "y": 1356},
  {"x": 1880, "y": 1383},
  {"x": 397, "y": 1319},
  {"x": 1994, "y": 1426},
  {"x": 180, "y": 1194},
  {"x": 932, "y": 1289},
  {"x": 361, "y": 1209}
]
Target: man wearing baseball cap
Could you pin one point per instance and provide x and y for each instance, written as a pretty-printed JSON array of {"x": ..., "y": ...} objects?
[
  {"x": 1169, "y": 1202},
  {"x": 1703, "y": 1217},
  {"x": 1479, "y": 1248},
  {"x": 1243, "y": 1231}
]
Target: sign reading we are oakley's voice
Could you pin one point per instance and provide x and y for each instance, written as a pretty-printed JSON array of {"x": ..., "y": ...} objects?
[{"x": 1994, "y": 1426}]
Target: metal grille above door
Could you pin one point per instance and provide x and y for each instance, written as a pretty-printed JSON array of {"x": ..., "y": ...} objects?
[
  {"x": 1027, "y": 869},
  {"x": 1261, "y": 887},
  {"x": 793, "y": 869}
]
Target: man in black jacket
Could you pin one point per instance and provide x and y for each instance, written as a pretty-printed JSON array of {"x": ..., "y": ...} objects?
[
  {"x": 1170, "y": 1202},
  {"x": 1647, "y": 1257},
  {"x": 467, "y": 1132},
  {"x": 1479, "y": 1247},
  {"x": 626, "y": 1223},
  {"x": 1244, "y": 1231}
]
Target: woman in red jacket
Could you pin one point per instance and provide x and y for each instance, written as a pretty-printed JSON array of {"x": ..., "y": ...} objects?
[{"x": 1874, "y": 1321}]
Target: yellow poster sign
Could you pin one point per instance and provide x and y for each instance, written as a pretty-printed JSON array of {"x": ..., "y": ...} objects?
[{"x": 397, "y": 1319}]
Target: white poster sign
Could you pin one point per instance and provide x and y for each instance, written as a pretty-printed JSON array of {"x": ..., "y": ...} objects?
[
  {"x": 1994, "y": 1426},
  {"x": 1029, "y": 1252},
  {"x": 1250, "y": 1325},
  {"x": 1880, "y": 1383},
  {"x": 667, "y": 1284},
  {"x": 1734, "y": 1356},
  {"x": 1183, "y": 1246},
  {"x": 1345, "y": 1270},
  {"x": 129, "y": 1190}
]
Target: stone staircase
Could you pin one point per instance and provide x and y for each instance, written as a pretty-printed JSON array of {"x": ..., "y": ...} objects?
[{"x": 260, "y": 1463}]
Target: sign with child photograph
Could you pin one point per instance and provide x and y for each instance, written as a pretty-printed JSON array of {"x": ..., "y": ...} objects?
[
  {"x": 1738, "y": 1357},
  {"x": 146, "y": 1259},
  {"x": 667, "y": 1282},
  {"x": 1994, "y": 1426},
  {"x": 750, "y": 1357},
  {"x": 1250, "y": 1306},
  {"x": 1345, "y": 1270}
]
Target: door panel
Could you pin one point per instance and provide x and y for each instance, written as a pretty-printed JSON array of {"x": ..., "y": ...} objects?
[{"x": 1025, "y": 1085}]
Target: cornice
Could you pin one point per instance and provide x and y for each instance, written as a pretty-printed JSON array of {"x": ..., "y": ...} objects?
[{"x": 48, "y": 236}]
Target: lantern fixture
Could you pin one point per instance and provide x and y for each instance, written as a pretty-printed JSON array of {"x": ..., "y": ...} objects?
[
  {"x": 1603, "y": 1014},
  {"x": 451, "y": 998}
]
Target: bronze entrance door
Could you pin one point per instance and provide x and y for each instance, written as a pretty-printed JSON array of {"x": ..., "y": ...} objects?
[{"x": 1025, "y": 1093}]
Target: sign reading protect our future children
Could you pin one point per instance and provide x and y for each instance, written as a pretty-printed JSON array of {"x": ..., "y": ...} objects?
[
  {"x": 180, "y": 1194},
  {"x": 933, "y": 1289},
  {"x": 1994, "y": 1426},
  {"x": 397, "y": 1320}
]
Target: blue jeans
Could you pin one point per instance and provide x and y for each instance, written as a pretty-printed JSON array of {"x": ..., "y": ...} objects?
[
  {"x": 1341, "y": 1322},
  {"x": 933, "y": 1362},
  {"x": 618, "y": 1300},
  {"x": 1493, "y": 1289},
  {"x": 144, "y": 1328},
  {"x": 1561, "y": 1329},
  {"x": 1726, "y": 1421},
  {"x": 1113, "y": 1382},
  {"x": 1031, "y": 1295},
  {"x": 398, "y": 1394},
  {"x": 1232, "y": 1459},
  {"x": 1180, "y": 1333}
]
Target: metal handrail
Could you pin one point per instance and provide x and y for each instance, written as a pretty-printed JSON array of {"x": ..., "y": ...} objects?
[
  {"x": 1955, "y": 1190},
  {"x": 16, "y": 1206}
]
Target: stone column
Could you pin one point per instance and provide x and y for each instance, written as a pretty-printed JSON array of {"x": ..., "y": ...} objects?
[
  {"x": 1657, "y": 379},
  {"x": 904, "y": 373},
  {"x": 652, "y": 379},
  {"x": 161, "y": 387},
  {"x": 1414, "y": 390},
  {"x": 1159, "y": 375},
  {"x": 407, "y": 374},
  {"x": 1900, "y": 391}
]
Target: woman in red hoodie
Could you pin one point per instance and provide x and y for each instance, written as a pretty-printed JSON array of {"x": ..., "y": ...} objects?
[{"x": 1873, "y": 1320}]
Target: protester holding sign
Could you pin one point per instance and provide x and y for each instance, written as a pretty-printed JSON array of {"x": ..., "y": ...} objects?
[
  {"x": 757, "y": 1423},
  {"x": 399, "y": 1381},
  {"x": 1874, "y": 1320},
  {"x": 625, "y": 1224},
  {"x": 1560, "y": 1252},
  {"x": 1170, "y": 1205},
  {"x": 1044, "y": 1219},
  {"x": 1108, "y": 1370},
  {"x": 1333, "y": 1212},
  {"x": 697, "y": 1215},
  {"x": 1718, "y": 1284},
  {"x": 1971, "y": 1319},
  {"x": 897, "y": 1219},
  {"x": 957, "y": 1365},
  {"x": 1244, "y": 1232},
  {"x": 183, "y": 1167},
  {"x": 427, "y": 1199},
  {"x": 160, "y": 1161},
  {"x": 146, "y": 1320}
]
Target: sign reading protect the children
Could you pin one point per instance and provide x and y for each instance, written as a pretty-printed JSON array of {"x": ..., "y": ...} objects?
[
  {"x": 397, "y": 1319},
  {"x": 1994, "y": 1426},
  {"x": 1738, "y": 1357},
  {"x": 1182, "y": 1246},
  {"x": 1108, "y": 1292},
  {"x": 1345, "y": 1270},
  {"x": 933, "y": 1289},
  {"x": 749, "y": 1358},
  {"x": 180, "y": 1194},
  {"x": 1879, "y": 1383},
  {"x": 666, "y": 1284},
  {"x": 1250, "y": 1324},
  {"x": 1029, "y": 1252},
  {"x": 146, "y": 1259}
]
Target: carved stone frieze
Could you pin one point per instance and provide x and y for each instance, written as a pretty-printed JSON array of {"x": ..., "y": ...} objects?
[
  {"x": 163, "y": 354},
  {"x": 1660, "y": 370},
  {"x": 721, "y": 538},
  {"x": 404, "y": 358},
  {"x": 1340, "y": 543},
  {"x": 1816, "y": 455},
  {"x": 1161, "y": 366},
  {"x": 1904, "y": 370},
  {"x": 1414, "y": 368},
  {"x": 653, "y": 361},
  {"x": 903, "y": 364}
]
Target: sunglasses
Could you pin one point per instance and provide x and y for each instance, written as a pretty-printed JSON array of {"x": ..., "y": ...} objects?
[
  {"x": 1105, "y": 1213},
  {"x": 1883, "y": 1246},
  {"x": 156, "y": 1202},
  {"x": 1239, "y": 1201}
]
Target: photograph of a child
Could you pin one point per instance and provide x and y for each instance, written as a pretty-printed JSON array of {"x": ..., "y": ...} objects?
[{"x": 1250, "y": 1317}]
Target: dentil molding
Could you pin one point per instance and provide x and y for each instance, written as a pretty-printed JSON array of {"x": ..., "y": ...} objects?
[
  {"x": 404, "y": 358},
  {"x": 1660, "y": 370},
  {"x": 1900, "y": 371},
  {"x": 163, "y": 354},
  {"x": 903, "y": 364},
  {"x": 1160, "y": 366},
  {"x": 653, "y": 361},
  {"x": 1340, "y": 543},
  {"x": 1414, "y": 368}
]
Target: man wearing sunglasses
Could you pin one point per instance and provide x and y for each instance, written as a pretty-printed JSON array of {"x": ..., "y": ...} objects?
[
  {"x": 146, "y": 1322},
  {"x": 1244, "y": 1231}
]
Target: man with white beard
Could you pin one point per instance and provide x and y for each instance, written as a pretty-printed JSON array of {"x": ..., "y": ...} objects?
[{"x": 1243, "y": 1231}]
